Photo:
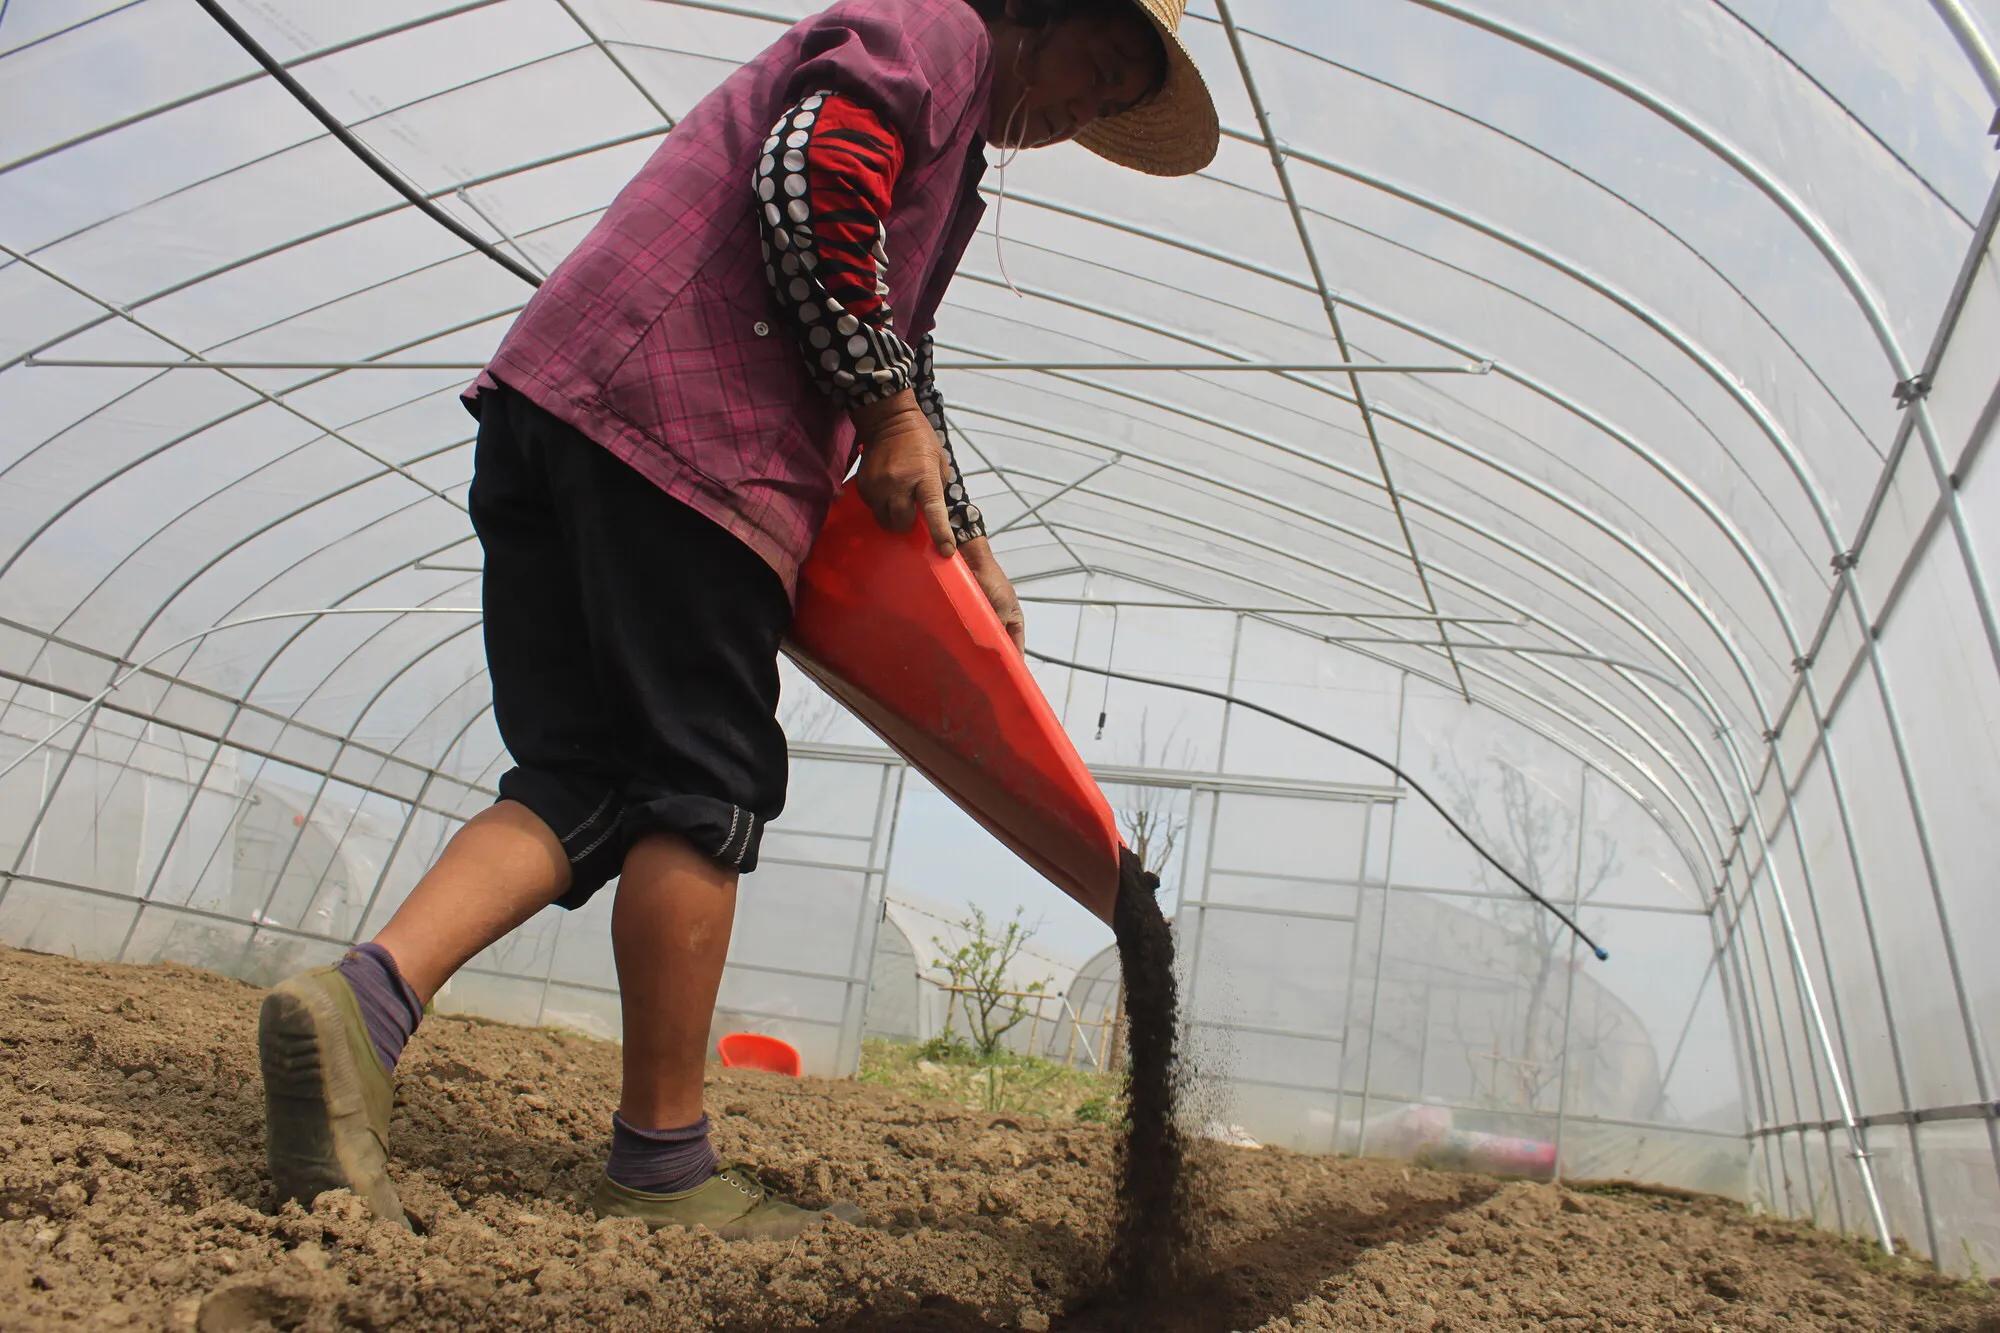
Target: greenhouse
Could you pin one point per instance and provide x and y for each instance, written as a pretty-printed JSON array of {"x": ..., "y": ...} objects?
[{"x": 1578, "y": 406}]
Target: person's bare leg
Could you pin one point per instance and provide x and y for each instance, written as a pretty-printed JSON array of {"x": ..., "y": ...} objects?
[
  {"x": 669, "y": 936},
  {"x": 670, "y": 929},
  {"x": 504, "y": 866},
  {"x": 324, "y": 1049}
]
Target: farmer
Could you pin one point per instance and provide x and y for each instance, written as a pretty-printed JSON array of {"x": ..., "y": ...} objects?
[{"x": 660, "y": 435}]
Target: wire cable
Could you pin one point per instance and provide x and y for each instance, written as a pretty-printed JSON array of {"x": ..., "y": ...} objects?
[
  {"x": 1365, "y": 753},
  {"x": 360, "y": 149}
]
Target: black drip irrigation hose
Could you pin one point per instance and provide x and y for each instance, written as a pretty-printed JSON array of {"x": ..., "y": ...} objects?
[
  {"x": 493, "y": 252},
  {"x": 1414, "y": 785},
  {"x": 360, "y": 149}
]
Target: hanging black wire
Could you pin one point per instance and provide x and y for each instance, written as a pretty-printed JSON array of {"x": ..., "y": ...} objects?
[
  {"x": 360, "y": 149},
  {"x": 1110, "y": 656},
  {"x": 1364, "y": 752}
]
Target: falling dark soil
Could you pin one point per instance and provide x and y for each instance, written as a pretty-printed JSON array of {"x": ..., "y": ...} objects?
[
  {"x": 1153, "y": 1238},
  {"x": 132, "y": 1195}
]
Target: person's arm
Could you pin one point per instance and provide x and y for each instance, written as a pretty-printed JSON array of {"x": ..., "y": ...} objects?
[
  {"x": 823, "y": 190},
  {"x": 968, "y": 526},
  {"x": 823, "y": 186},
  {"x": 967, "y": 523}
]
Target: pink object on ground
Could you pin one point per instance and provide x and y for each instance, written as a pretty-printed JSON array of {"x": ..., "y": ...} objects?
[
  {"x": 1429, "y": 1132},
  {"x": 754, "y": 1050}
]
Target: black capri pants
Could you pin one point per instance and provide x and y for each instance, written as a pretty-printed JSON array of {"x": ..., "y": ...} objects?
[{"x": 633, "y": 649}]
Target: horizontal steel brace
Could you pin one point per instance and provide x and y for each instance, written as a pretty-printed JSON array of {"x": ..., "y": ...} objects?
[
  {"x": 1294, "y": 1034},
  {"x": 1205, "y": 367},
  {"x": 1125, "y": 775},
  {"x": 551, "y": 984},
  {"x": 1518, "y": 1113},
  {"x": 766, "y": 858},
  {"x": 1049, "y": 599},
  {"x": 1250, "y": 909},
  {"x": 1279, "y": 876},
  {"x": 1211, "y": 367},
  {"x": 1926, "y": 1116}
]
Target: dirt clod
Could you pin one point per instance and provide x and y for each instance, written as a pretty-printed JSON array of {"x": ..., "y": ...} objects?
[{"x": 180, "y": 1232}]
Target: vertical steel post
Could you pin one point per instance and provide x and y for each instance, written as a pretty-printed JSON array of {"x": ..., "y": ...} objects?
[
  {"x": 1832, "y": 1052},
  {"x": 1381, "y": 929},
  {"x": 1229, "y": 710},
  {"x": 1739, "y": 936},
  {"x": 1197, "y": 918},
  {"x": 1896, "y": 1058},
  {"x": 1196, "y": 923},
  {"x": 1748, "y": 1078},
  {"x": 867, "y": 923},
  {"x": 1756, "y": 1047},
  {"x": 1569, "y": 991},
  {"x": 1353, "y": 956},
  {"x": 1799, "y": 1111}
]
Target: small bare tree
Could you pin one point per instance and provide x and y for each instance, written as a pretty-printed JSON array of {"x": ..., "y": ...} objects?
[
  {"x": 978, "y": 971},
  {"x": 1151, "y": 817},
  {"x": 808, "y": 714},
  {"x": 1532, "y": 835}
]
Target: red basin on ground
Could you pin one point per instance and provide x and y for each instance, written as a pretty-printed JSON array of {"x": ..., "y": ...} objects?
[
  {"x": 905, "y": 638},
  {"x": 754, "y": 1050}
]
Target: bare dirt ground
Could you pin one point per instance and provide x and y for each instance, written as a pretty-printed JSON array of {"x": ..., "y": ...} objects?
[{"x": 132, "y": 1195}]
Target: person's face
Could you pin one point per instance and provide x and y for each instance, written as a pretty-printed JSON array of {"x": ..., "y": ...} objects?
[{"x": 1050, "y": 83}]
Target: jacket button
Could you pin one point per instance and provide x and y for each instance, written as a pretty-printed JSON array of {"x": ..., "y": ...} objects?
[{"x": 763, "y": 329}]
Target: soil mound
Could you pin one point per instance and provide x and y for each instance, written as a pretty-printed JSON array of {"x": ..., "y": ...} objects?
[{"x": 132, "y": 1196}]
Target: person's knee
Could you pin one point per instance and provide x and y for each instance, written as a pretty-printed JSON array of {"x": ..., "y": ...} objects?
[
  {"x": 580, "y": 815},
  {"x": 717, "y": 829},
  {"x": 665, "y": 855}
]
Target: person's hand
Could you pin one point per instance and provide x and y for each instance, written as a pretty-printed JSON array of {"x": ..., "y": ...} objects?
[
  {"x": 998, "y": 588},
  {"x": 903, "y": 468}
]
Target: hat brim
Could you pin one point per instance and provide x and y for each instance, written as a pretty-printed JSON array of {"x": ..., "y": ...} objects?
[{"x": 1176, "y": 132}]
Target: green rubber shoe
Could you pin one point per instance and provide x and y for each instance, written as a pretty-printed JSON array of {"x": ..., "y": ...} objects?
[
  {"x": 326, "y": 1095},
  {"x": 732, "y": 1203}
]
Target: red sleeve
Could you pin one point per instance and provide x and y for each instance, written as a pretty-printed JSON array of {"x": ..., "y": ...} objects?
[
  {"x": 852, "y": 162},
  {"x": 824, "y": 186}
]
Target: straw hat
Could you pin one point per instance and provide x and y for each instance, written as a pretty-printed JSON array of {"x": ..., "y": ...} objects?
[{"x": 1173, "y": 133}]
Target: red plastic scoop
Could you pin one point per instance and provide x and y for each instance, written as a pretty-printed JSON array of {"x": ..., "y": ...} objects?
[{"x": 905, "y": 638}]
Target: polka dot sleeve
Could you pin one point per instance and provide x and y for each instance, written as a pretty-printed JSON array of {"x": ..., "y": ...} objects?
[
  {"x": 966, "y": 520},
  {"x": 823, "y": 187}
]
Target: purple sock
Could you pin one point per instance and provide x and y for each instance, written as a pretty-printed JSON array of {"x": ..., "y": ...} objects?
[
  {"x": 660, "y": 1161},
  {"x": 389, "y": 1006}
]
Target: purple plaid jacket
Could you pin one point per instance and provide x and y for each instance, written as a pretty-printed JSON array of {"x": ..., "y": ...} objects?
[{"x": 657, "y": 336}]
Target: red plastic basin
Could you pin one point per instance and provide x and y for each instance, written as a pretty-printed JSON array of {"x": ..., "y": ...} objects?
[
  {"x": 905, "y": 638},
  {"x": 754, "y": 1050}
]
